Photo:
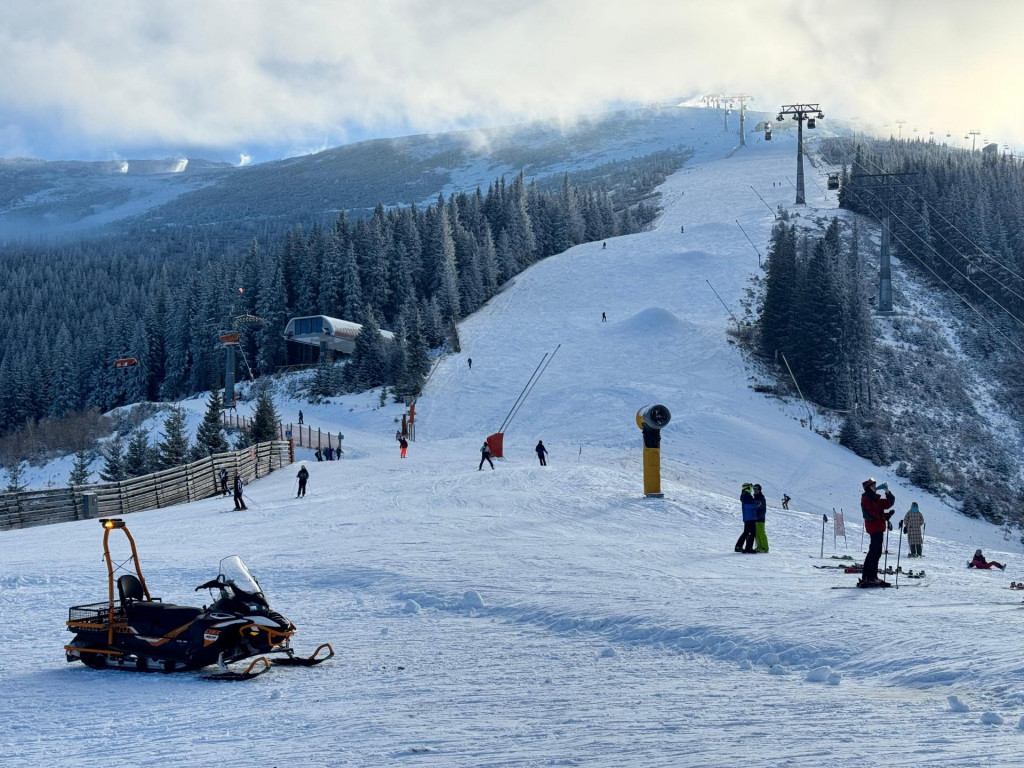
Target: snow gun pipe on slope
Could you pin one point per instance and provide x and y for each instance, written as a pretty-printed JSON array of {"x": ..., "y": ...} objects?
[{"x": 542, "y": 366}]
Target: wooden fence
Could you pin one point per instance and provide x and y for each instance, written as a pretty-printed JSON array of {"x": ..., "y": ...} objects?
[
  {"x": 304, "y": 437},
  {"x": 189, "y": 482}
]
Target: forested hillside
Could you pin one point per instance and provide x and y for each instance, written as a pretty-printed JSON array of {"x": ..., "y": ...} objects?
[
  {"x": 69, "y": 312},
  {"x": 934, "y": 388}
]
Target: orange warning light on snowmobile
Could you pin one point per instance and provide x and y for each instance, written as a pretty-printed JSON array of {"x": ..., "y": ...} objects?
[{"x": 112, "y": 522}]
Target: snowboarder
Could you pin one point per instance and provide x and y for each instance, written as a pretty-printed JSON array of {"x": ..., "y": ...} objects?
[
  {"x": 913, "y": 526},
  {"x": 485, "y": 455},
  {"x": 238, "y": 485},
  {"x": 223, "y": 482},
  {"x": 470, "y": 361},
  {"x": 979, "y": 561},
  {"x": 404, "y": 445},
  {"x": 541, "y": 453},
  {"x": 876, "y": 522},
  {"x": 759, "y": 533},
  {"x": 319, "y": 455},
  {"x": 300, "y": 418},
  {"x": 604, "y": 318},
  {"x": 785, "y": 501},
  {"x": 745, "y": 543},
  {"x": 303, "y": 477}
]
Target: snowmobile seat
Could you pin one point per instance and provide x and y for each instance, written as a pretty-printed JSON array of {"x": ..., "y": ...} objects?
[
  {"x": 163, "y": 616},
  {"x": 129, "y": 588}
]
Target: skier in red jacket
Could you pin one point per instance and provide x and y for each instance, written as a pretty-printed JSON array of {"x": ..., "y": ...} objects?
[{"x": 876, "y": 521}]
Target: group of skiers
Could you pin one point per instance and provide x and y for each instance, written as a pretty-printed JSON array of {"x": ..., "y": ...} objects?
[
  {"x": 236, "y": 486},
  {"x": 327, "y": 454},
  {"x": 877, "y": 512},
  {"x": 485, "y": 454}
]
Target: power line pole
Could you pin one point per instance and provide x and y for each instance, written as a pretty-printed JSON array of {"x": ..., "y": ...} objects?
[
  {"x": 800, "y": 112},
  {"x": 882, "y": 186}
]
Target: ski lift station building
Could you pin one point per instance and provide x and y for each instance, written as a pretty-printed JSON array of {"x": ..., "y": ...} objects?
[{"x": 310, "y": 337}]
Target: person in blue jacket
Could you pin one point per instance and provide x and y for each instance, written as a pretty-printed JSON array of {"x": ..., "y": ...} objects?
[{"x": 745, "y": 543}]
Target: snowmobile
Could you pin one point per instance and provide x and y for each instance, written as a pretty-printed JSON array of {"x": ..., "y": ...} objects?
[{"x": 144, "y": 634}]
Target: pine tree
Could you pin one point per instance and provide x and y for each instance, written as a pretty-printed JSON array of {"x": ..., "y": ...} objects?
[
  {"x": 80, "y": 469},
  {"x": 15, "y": 478},
  {"x": 113, "y": 461},
  {"x": 210, "y": 437},
  {"x": 173, "y": 449},
  {"x": 138, "y": 459},
  {"x": 264, "y": 427}
]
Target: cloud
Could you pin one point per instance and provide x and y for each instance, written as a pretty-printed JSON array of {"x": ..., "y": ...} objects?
[{"x": 184, "y": 73}]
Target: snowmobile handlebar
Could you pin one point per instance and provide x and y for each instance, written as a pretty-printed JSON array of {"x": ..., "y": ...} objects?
[{"x": 211, "y": 584}]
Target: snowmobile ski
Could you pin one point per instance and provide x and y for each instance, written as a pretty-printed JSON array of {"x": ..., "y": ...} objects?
[
  {"x": 291, "y": 660},
  {"x": 229, "y": 675}
]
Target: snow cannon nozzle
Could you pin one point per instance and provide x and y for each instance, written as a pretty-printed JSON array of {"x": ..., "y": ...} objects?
[{"x": 653, "y": 417}]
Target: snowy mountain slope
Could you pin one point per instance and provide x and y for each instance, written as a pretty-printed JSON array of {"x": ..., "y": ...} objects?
[{"x": 536, "y": 616}]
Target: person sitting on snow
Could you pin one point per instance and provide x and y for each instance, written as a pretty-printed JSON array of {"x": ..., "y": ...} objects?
[{"x": 979, "y": 561}]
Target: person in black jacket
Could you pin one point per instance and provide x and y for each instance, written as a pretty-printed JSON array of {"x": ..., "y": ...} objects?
[
  {"x": 485, "y": 455},
  {"x": 223, "y": 482},
  {"x": 239, "y": 501},
  {"x": 541, "y": 453},
  {"x": 303, "y": 477},
  {"x": 745, "y": 543}
]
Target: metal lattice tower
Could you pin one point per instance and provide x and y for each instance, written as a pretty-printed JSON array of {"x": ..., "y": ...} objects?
[{"x": 800, "y": 112}]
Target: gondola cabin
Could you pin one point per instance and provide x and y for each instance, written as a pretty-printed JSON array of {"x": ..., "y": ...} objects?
[{"x": 833, "y": 181}]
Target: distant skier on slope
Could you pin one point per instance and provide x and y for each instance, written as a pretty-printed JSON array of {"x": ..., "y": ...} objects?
[
  {"x": 485, "y": 455},
  {"x": 238, "y": 485},
  {"x": 541, "y": 453},
  {"x": 303, "y": 476},
  {"x": 785, "y": 501}
]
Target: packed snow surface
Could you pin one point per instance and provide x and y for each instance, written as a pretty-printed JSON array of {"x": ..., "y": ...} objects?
[{"x": 554, "y": 616}]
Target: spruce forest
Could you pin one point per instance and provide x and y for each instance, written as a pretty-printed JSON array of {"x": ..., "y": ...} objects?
[
  {"x": 70, "y": 310},
  {"x": 899, "y": 389}
]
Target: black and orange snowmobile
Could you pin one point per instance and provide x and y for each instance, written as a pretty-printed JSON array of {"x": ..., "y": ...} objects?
[{"x": 142, "y": 633}]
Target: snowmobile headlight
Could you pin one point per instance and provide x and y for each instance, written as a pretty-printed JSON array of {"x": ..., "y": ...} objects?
[{"x": 112, "y": 522}]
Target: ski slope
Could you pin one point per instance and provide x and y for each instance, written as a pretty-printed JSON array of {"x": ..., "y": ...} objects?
[{"x": 529, "y": 616}]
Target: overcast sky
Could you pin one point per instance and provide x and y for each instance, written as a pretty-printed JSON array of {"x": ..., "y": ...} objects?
[{"x": 100, "y": 79}]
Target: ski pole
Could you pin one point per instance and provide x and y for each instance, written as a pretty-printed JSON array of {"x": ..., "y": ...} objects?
[
  {"x": 248, "y": 499},
  {"x": 824, "y": 519},
  {"x": 899, "y": 548},
  {"x": 295, "y": 486},
  {"x": 885, "y": 566}
]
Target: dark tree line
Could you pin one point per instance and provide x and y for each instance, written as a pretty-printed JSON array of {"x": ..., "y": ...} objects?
[
  {"x": 68, "y": 312},
  {"x": 815, "y": 313}
]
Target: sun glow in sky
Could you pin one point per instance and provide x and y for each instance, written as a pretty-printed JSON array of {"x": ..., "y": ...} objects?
[{"x": 266, "y": 79}]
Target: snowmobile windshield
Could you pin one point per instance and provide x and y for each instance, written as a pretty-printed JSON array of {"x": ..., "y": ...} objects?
[{"x": 234, "y": 572}]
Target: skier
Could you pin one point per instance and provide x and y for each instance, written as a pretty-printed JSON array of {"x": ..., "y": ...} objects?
[
  {"x": 603, "y": 246},
  {"x": 759, "y": 534},
  {"x": 470, "y": 361},
  {"x": 303, "y": 477},
  {"x": 604, "y": 318},
  {"x": 223, "y": 482},
  {"x": 979, "y": 561},
  {"x": 785, "y": 501},
  {"x": 485, "y": 455},
  {"x": 404, "y": 445},
  {"x": 745, "y": 543},
  {"x": 329, "y": 453},
  {"x": 876, "y": 521},
  {"x": 541, "y": 453},
  {"x": 319, "y": 455},
  {"x": 913, "y": 526},
  {"x": 300, "y": 418},
  {"x": 238, "y": 485}
]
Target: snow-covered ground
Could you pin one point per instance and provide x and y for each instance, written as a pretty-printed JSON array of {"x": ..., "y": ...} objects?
[{"x": 531, "y": 616}]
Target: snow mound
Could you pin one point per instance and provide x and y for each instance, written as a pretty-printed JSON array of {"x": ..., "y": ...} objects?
[
  {"x": 608, "y": 653},
  {"x": 819, "y": 675},
  {"x": 991, "y": 718},
  {"x": 653, "y": 322},
  {"x": 411, "y": 606},
  {"x": 955, "y": 705},
  {"x": 472, "y": 599}
]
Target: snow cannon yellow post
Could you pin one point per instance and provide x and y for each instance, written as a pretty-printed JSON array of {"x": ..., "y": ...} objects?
[{"x": 652, "y": 419}]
